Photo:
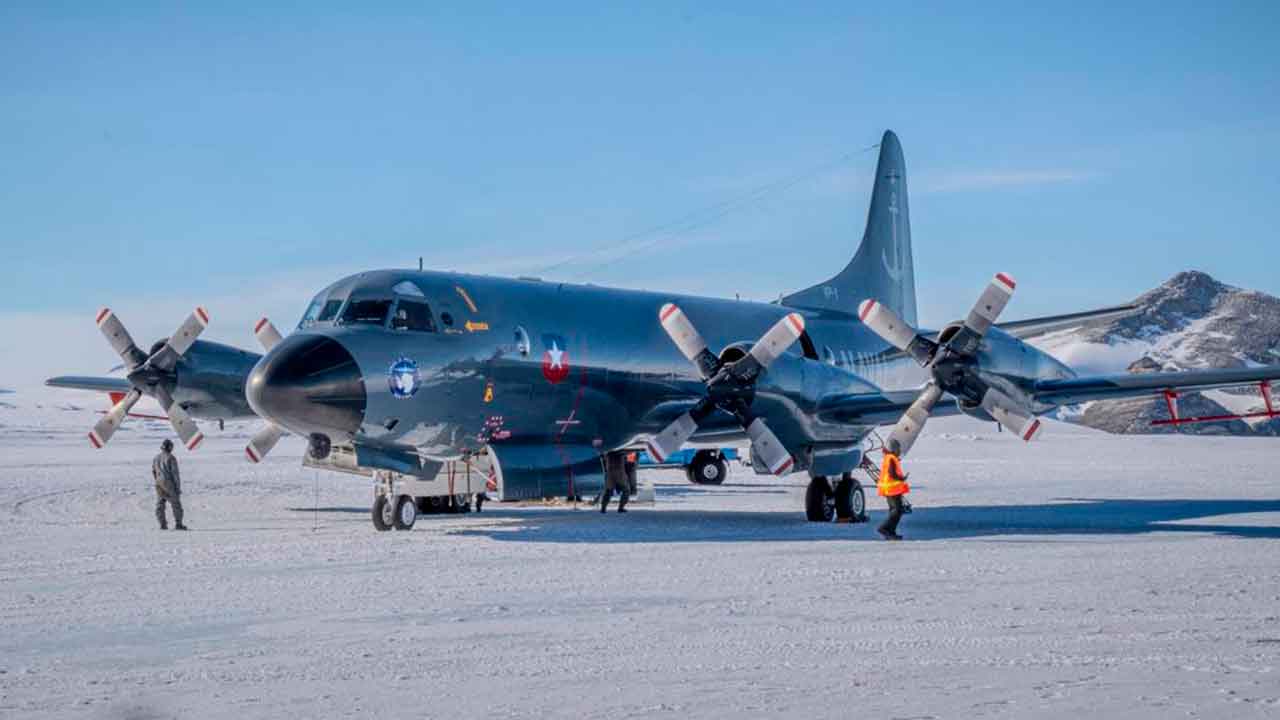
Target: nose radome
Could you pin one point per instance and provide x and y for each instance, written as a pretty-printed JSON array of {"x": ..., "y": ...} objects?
[{"x": 309, "y": 384}]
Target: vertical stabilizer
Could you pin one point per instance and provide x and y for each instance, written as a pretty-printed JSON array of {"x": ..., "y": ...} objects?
[{"x": 882, "y": 269}]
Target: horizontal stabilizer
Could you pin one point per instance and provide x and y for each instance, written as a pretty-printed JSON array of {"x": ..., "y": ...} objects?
[{"x": 1035, "y": 327}]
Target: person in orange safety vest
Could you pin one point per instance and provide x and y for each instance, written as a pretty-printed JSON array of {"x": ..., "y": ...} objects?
[{"x": 893, "y": 486}]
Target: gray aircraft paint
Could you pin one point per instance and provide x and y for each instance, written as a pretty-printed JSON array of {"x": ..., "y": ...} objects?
[{"x": 484, "y": 379}]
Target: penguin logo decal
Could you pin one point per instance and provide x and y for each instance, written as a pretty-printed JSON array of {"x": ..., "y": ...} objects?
[{"x": 403, "y": 378}]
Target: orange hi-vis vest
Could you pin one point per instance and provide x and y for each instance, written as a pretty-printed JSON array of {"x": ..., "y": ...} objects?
[{"x": 887, "y": 485}]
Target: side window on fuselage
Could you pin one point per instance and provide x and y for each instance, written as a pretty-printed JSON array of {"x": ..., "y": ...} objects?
[
  {"x": 413, "y": 315},
  {"x": 366, "y": 312}
]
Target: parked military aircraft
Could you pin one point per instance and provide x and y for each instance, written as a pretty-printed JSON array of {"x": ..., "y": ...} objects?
[{"x": 405, "y": 369}]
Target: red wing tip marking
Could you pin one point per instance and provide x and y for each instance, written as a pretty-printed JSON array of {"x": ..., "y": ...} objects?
[
  {"x": 93, "y": 440},
  {"x": 654, "y": 453},
  {"x": 1006, "y": 281},
  {"x": 252, "y": 456},
  {"x": 667, "y": 311},
  {"x": 797, "y": 322},
  {"x": 102, "y": 315},
  {"x": 195, "y": 441},
  {"x": 783, "y": 467},
  {"x": 1031, "y": 430},
  {"x": 865, "y": 309},
  {"x": 258, "y": 328},
  {"x": 203, "y": 315}
]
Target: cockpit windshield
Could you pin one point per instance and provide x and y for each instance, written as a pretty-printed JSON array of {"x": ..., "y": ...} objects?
[
  {"x": 366, "y": 312},
  {"x": 412, "y": 315}
]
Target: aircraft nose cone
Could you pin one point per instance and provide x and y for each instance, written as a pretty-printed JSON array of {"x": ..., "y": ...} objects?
[{"x": 309, "y": 384}]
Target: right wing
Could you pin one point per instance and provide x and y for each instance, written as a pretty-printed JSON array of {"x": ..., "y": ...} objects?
[
  {"x": 1123, "y": 385},
  {"x": 878, "y": 408}
]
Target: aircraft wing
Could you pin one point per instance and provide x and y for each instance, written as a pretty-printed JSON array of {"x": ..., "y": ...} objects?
[
  {"x": 882, "y": 408},
  {"x": 96, "y": 384},
  {"x": 1122, "y": 385},
  {"x": 1035, "y": 327}
]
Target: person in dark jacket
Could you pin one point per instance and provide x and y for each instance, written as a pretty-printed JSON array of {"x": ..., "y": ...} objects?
[
  {"x": 615, "y": 478},
  {"x": 164, "y": 470}
]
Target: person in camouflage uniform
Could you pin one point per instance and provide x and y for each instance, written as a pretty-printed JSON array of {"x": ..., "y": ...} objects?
[{"x": 164, "y": 470}]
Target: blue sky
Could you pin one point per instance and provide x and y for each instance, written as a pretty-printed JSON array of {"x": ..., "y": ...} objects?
[{"x": 153, "y": 157}]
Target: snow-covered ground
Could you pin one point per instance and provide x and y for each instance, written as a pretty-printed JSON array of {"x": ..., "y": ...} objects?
[{"x": 1087, "y": 575}]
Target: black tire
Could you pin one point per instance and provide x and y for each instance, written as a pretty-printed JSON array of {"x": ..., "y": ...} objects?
[
  {"x": 707, "y": 468},
  {"x": 406, "y": 513},
  {"x": 381, "y": 514},
  {"x": 819, "y": 502},
  {"x": 851, "y": 502}
]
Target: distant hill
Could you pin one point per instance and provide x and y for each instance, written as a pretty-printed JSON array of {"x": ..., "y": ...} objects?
[{"x": 1190, "y": 321}]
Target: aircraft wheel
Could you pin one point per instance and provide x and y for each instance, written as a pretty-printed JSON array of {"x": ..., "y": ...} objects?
[
  {"x": 708, "y": 468},
  {"x": 851, "y": 502},
  {"x": 819, "y": 501},
  {"x": 382, "y": 512},
  {"x": 406, "y": 513}
]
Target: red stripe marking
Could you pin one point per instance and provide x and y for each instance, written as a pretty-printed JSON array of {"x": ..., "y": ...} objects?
[
  {"x": 204, "y": 316},
  {"x": 783, "y": 467},
  {"x": 195, "y": 441},
  {"x": 94, "y": 440},
  {"x": 866, "y": 309},
  {"x": 1035, "y": 425},
  {"x": 1006, "y": 280},
  {"x": 102, "y": 314},
  {"x": 797, "y": 322},
  {"x": 249, "y": 451},
  {"x": 666, "y": 312},
  {"x": 258, "y": 328},
  {"x": 653, "y": 452}
]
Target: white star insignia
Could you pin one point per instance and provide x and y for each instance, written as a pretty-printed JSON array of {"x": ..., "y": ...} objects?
[{"x": 556, "y": 355}]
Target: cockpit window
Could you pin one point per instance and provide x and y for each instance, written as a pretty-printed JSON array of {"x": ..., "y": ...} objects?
[
  {"x": 412, "y": 315},
  {"x": 366, "y": 312},
  {"x": 329, "y": 311}
]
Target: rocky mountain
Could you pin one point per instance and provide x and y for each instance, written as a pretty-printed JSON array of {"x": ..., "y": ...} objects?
[{"x": 1190, "y": 321}]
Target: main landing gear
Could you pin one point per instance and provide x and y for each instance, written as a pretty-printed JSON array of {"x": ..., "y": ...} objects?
[
  {"x": 844, "y": 502},
  {"x": 707, "y": 467}
]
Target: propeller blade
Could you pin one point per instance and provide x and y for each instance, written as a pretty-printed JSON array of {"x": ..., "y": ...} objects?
[
  {"x": 102, "y": 431},
  {"x": 983, "y": 315},
  {"x": 768, "y": 448},
  {"x": 263, "y": 441},
  {"x": 1007, "y": 412},
  {"x": 891, "y": 328},
  {"x": 182, "y": 423},
  {"x": 668, "y": 442},
  {"x": 267, "y": 334},
  {"x": 177, "y": 345},
  {"x": 912, "y": 421},
  {"x": 686, "y": 337},
  {"x": 115, "y": 333},
  {"x": 777, "y": 339}
]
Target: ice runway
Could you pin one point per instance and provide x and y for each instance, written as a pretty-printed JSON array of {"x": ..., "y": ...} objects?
[{"x": 1087, "y": 575}]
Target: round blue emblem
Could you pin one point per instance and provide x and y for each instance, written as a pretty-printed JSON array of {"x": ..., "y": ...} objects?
[{"x": 403, "y": 378}]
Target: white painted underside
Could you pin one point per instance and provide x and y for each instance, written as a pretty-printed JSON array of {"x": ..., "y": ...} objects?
[{"x": 1084, "y": 575}]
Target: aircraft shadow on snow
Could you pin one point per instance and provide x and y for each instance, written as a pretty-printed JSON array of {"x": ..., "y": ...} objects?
[{"x": 1066, "y": 516}]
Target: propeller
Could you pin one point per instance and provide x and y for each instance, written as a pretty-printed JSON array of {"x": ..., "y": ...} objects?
[
  {"x": 266, "y": 438},
  {"x": 150, "y": 375},
  {"x": 952, "y": 364},
  {"x": 730, "y": 386}
]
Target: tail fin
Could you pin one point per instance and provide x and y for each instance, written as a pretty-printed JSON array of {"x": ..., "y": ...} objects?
[{"x": 882, "y": 268}]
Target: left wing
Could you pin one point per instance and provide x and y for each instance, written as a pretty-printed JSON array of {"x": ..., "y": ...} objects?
[
  {"x": 882, "y": 408},
  {"x": 96, "y": 384},
  {"x": 1122, "y": 385}
]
